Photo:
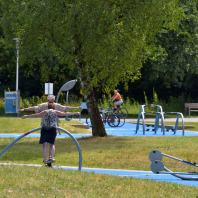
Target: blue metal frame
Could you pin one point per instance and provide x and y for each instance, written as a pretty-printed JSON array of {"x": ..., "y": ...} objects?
[{"x": 159, "y": 113}]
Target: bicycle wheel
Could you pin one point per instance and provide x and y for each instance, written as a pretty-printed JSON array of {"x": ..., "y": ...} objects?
[
  {"x": 113, "y": 120},
  {"x": 88, "y": 121},
  {"x": 123, "y": 111},
  {"x": 122, "y": 120}
]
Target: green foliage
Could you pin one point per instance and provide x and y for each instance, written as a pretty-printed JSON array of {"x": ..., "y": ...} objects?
[
  {"x": 104, "y": 40},
  {"x": 172, "y": 105},
  {"x": 155, "y": 97},
  {"x": 146, "y": 100},
  {"x": 2, "y": 106},
  {"x": 175, "y": 54}
]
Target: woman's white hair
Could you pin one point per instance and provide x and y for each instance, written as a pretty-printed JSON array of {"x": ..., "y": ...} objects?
[{"x": 50, "y": 97}]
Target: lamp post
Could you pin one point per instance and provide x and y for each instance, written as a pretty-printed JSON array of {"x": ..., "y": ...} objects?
[
  {"x": 17, "y": 78},
  {"x": 17, "y": 63}
]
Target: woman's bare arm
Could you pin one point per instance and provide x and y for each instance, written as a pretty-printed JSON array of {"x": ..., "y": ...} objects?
[
  {"x": 59, "y": 113},
  {"x": 27, "y": 109},
  {"x": 36, "y": 115},
  {"x": 71, "y": 108}
]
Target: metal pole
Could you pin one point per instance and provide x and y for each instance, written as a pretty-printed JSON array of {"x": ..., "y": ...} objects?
[
  {"x": 17, "y": 64},
  {"x": 17, "y": 70},
  {"x": 67, "y": 104}
]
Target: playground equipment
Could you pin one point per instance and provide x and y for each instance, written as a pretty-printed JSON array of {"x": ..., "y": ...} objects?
[
  {"x": 66, "y": 87},
  {"x": 157, "y": 166},
  {"x": 159, "y": 114},
  {"x": 36, "y": 129},
  {"x": 179, "y": 115}
]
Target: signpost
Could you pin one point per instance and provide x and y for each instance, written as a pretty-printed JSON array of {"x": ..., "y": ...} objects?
[
  {"x": 12, "y": 101},
  {"x": 12, "y": 98},
  {"x": 48, "y": 88}
]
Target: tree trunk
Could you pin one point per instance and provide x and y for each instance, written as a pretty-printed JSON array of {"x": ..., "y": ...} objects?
[{"x": 98, "y": 128}]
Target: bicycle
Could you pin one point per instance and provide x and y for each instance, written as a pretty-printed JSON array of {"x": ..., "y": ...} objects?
[
  {"x": 113, "y": 120},
  {"x": 120, "y": 110}
]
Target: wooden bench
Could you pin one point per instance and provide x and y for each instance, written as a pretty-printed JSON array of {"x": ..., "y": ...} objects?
[{"x": 191, "y": 107}]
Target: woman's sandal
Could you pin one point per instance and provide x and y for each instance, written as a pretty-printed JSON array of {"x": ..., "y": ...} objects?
[{"x": 51, "y": 161}]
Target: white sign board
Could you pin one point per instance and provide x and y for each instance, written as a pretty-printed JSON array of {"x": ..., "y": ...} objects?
[{"x": 48, "y": 88}]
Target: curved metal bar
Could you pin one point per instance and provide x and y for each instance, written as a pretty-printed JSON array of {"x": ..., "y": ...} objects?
[
  {"x": 158, "y": 113},
  {"x": 143, "y": 122},
  {"x": 77, "y": 144},
  {"x": 17, "y": 139},
  {"x": 162, "y": 124},
  {"x": 177, "y": 121},
  {"x": 57, "y": 123},
  {"x": 36, "y": 129},
  {"x": 139, "y": 116},
  {"x": 178, "y": 175}
]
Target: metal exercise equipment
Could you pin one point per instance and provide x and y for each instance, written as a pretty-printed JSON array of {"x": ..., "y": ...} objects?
[
  {"x": 159, "y": 114},
  {"x": 66, "y": 87},
  {"x": 179, "y": 115},
  {"x": 36, "y": 129},
  {"x": 157, "y": 166}
]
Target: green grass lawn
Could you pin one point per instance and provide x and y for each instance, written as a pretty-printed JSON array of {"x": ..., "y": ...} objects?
[
  {"x": 107, "y": 152},
  {"x": 18, "y": 125}
]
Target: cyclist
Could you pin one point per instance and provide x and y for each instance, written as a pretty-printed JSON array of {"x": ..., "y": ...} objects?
[{"x": 118, "y": 99}]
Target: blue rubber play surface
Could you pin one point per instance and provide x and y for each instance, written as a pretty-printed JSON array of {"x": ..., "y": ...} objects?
[
  {"x": 127, "y": 130},
  {"x": 137, "y": 174}
]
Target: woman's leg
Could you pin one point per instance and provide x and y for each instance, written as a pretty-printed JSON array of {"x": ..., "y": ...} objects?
[
  {"x": 115, "y": 105},
  {"x": 52, "y": 151},
  {"x": 45, "y": 151}
]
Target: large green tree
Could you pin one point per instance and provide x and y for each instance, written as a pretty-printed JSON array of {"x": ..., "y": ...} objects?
[
  {"x": 106, "y": 40},
  {"x": 172, "y": 66}
]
